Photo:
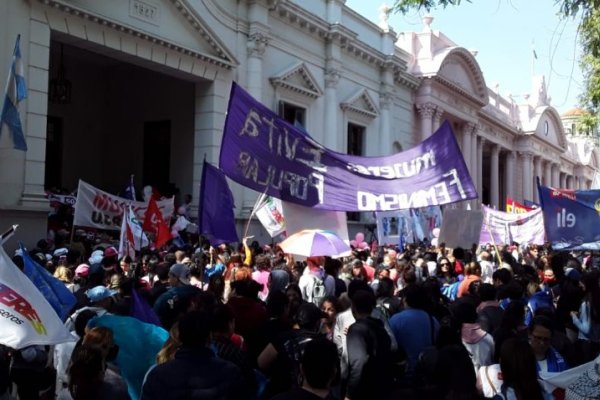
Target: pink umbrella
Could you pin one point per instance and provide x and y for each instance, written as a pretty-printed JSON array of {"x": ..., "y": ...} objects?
[{"x": 314, "y": 242}]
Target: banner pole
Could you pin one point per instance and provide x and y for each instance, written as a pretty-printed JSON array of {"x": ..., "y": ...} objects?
[
  {"x": 259, "y": 200},
  {"x": 487, "y": 226},
  {"x": 72, "y": 234}
]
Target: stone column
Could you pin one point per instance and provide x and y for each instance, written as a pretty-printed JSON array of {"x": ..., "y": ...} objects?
[
  {"x": 466, "y": 146},
  {"x": 479, "y": 169},
  {"x": 538, "y": 173},
  {"x": 555, "y": 175},
  {"x": 332, "y": 77},
  {"x": 437, "y": 119},
  {"x": 494, "y": 172},
  {"x": 426, "y": 111},
  {"x": 385, "y": 128},
  {"x": 511, "y": 160},
  {"x": 548, "y": 173},
  {"x": 256, "y": 46},
  {"x": 475, "y": 165},
  {"x": 563, "y": 180},
  {"x": 527, "y": 159}
]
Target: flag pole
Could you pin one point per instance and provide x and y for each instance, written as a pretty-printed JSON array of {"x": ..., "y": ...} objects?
[{"x": 259, "y": 200}]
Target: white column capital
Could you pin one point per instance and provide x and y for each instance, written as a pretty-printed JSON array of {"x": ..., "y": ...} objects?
[
  {"x": 527, "y": 155},
  {"x": 426, "y": 110},
  {"x": 257, "y": 44},
  {"x": 495, "y": 149},
  {"x": 332, "y": 77},
  {"x": 472, "y": 127},
  {"x": 386, "y": 99}
]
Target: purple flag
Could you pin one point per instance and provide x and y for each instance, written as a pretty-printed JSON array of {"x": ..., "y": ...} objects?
[
  {"x": 215, "y": 218},
  {"x": 141, "y": 310},
  {"x": 262, "y": 151}
]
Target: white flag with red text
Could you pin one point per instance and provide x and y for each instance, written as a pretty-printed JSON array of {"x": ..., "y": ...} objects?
[
  {"x": 26, "y": 317},
  {"x": 133, "y": 237}
]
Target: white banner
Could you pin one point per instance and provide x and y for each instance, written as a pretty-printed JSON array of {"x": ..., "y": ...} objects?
[
  {"x": 299, "y": 217},
  {"x": 96, "y": 208},
  {"x": 505, "y": 228},
  {"x": 415, "y": 224},
  {"x": 26, "y": 318},
  {"x": 270, "y": 215}
]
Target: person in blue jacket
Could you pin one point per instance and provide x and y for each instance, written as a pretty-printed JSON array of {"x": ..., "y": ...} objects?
[{"x": 540, "y": 337}]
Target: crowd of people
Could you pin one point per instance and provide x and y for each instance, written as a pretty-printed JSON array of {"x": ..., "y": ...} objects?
[{"x": 254, "y": 323}]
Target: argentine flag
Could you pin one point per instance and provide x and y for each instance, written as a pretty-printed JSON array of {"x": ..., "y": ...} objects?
[{"x": 16, "y": 91}]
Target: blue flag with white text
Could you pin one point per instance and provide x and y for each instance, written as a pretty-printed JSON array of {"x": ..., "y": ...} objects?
[
  {"x": 16, "y": 91},
  {"x": 571, "y": 218},
  {"x": 215, "y": 213},
  {"x": 54, "y": 291}
]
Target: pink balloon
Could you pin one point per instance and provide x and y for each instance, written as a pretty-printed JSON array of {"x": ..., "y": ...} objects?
[
  {"x": 434, "y": 241},
  {"x": 360, "y": 237},
  {"x": 354, "y": 243},
  {"x": 436, "y": 233},
  {"x": 363, "y": 245}
]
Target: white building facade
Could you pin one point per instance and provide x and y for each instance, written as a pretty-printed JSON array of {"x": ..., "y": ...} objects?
[{"x": 148, "y": 83}]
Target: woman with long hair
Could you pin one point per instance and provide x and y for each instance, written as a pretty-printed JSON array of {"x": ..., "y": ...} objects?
[
  {"x": 587, "y": 320},
  {"x": 168, "y": 350},
  {"x": 519, "y": 371},
  {"x": 445, "y": 272}
]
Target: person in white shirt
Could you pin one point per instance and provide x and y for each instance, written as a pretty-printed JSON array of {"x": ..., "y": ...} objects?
[{"x": 314, "y": 275}]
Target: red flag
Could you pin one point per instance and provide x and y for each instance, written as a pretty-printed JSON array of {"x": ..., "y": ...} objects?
[{"x": 155, "y": 223}]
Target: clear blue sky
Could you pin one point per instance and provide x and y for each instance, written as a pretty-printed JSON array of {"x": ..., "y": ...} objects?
[{"x": 502, "y": 31}]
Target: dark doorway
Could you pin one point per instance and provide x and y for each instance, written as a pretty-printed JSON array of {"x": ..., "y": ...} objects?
[
  {"x": 54, "y": 147},
  {"x": 157, "y": 154}
]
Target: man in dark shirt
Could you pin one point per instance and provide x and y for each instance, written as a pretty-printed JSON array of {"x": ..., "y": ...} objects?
[
  {"x": 369, "y": 352},
  {"x": 319, "y": 367},
  {"x": 195, "y": 373}
]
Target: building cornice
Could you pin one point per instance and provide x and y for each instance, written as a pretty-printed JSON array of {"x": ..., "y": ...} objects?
[
  {"x": 227, "y": 61},
  {"x": 348, "y": 41}
]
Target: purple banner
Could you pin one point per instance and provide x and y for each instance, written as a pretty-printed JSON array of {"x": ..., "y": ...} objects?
[{"x": 263, "y": 152}]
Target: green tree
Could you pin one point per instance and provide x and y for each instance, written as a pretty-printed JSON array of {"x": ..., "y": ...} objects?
[{"x": 588, "y": 14}]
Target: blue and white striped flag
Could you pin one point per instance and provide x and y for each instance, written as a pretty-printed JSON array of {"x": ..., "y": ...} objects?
[{"x": 16, "y": 91}]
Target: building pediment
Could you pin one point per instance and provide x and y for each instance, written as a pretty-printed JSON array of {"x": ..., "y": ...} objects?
[
  {"x": 548, "y": 127},
  {"x": 361, "y": 103},
  {"x": 174, "y": 24},
  {"x": 298, "y": 79},
  {"x": 458, "y": 67}
]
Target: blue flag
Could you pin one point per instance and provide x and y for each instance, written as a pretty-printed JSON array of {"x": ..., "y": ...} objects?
[
  {"x": 54, "y": 291},
  {"x": 129, "y": 191},
  {"x": 138, "y": 342},
  {"x": 571, "y": 218},
  {"x": 215, "y": 217},
  {"x": 16, "y": 91}
]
